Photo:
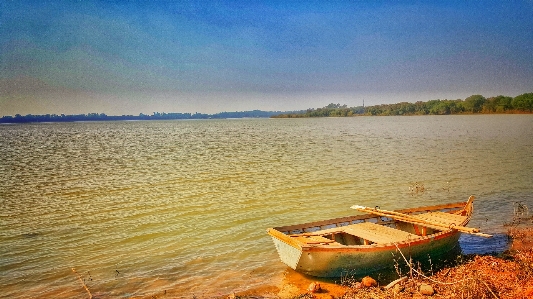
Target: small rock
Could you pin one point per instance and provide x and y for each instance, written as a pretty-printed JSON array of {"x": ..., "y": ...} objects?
[
  {"x": 314, "y": 287},
  {"x": 426, "y": 289},
  {"x": 357, "y": 285},
  {"x": 369, "y": 282}
]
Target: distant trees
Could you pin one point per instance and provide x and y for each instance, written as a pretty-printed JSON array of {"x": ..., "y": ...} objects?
[
  {"x": 472, "y": 104},
  {"x": 155, "y": 116},
  {"x": 331, "y": 110},
  {"x": 523, "y": 102},
  {"x": 497, "y": 104}
]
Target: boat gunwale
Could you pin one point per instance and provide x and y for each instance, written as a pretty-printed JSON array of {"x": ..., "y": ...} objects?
[{"x": 456, "y": 206}]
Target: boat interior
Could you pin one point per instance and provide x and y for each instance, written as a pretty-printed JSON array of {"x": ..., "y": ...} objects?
[{"x": 371, "y": 229}]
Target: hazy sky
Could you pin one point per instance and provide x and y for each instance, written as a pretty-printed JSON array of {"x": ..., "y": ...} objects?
[{"x": 128, "y": 57}]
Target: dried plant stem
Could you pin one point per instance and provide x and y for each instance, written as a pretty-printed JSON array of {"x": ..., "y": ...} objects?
[
  {"x": 83, "y": 283},
  {"x": 421, "y": 274},
  {"x": 490, "y": 290}
]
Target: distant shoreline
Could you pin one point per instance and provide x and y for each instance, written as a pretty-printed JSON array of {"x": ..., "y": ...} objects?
[
  {"x": 361, "y": 115},
  {"x": 474, "y": 104},
  {"x": 69, "y": 119},
  {"x": 55, "y": 118}
]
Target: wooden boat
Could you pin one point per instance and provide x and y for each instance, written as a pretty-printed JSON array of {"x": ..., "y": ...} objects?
[{"x": 365, "y": 243}]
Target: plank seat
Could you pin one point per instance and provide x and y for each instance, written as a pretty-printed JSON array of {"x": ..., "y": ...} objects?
[
  {"x": 378, "y": 234},
  {"x": 445, "y": 219}
]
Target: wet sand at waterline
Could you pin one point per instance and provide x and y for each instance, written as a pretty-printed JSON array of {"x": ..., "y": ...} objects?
[{"x": 140, "y": 208}]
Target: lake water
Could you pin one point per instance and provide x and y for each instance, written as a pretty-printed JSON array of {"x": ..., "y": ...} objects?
[{"x": 182, "y": 207}]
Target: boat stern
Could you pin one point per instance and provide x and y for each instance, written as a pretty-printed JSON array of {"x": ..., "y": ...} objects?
[{"x": 289, "y": 251}]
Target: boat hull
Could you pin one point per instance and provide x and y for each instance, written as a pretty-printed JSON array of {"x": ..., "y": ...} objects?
[{"x": 359, "y": 260}]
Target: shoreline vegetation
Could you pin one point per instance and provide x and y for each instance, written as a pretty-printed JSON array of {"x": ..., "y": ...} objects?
[
  {"x": 29, "y": 118},
  {"x": 474, "y": 104}
]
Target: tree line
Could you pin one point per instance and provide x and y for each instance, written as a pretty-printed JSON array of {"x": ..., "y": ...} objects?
[
  {"x": 471, "y": 105},
  {"x": 29, "y": 118}
]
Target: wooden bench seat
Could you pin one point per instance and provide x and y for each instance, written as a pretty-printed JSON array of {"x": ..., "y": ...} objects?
[{"x": 378, "y": 234}]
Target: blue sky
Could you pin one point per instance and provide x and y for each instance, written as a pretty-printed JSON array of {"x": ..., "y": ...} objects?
[{"x": 128, "y": 57}]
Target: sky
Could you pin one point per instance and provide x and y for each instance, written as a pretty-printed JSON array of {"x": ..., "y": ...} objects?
[{"x": 131, "y": 57}]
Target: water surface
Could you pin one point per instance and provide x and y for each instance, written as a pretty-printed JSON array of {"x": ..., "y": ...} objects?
[{"x": 140, "y": 208}]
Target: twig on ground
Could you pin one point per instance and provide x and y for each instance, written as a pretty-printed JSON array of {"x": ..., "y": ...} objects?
[
  {"x": 490, "y": 289},
  {"x": 83, "y": 283}
]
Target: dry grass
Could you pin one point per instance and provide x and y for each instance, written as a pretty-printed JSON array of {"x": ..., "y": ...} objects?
[{"x": 508, "y": 276}]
